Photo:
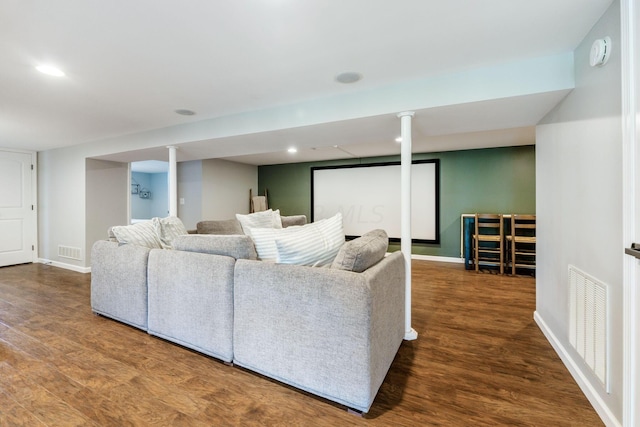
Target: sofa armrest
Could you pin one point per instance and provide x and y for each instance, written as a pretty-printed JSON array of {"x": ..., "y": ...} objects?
[
  {"x": 331, "y": 332},
  {"x": 119, "y": 282}
]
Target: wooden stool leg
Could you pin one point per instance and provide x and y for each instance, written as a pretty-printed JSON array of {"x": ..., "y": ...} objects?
[
  {"x": 475, "y": 254},
  {"x": 513, "y": 258}
]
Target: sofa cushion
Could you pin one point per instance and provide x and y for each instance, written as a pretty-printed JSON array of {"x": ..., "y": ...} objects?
[
  {"x": 236, "y": 246},
  {"x": 264, "y": 219},
  {"x": 361, "y": 253},
  {"x": 168, "y": 229},
  {"x": 226, "y": 226},
  {"x": 142, "y": 234}
]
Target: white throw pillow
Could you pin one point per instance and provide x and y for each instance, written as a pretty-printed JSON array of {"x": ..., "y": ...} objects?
[
  {"x": 277, "y": 219},
  {"x": 141, "y": 234},
  {"x": 315, "y": 244},
  {"x": 264, "y": 219}
]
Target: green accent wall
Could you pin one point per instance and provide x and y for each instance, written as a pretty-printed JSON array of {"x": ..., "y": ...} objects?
[{"x": 493, "y": 180}]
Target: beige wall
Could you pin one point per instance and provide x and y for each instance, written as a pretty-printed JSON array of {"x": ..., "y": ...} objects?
[
  {"x": 106, "y": 199},
  {"x": 225, "y": 188},
  {"x": 214, "y": 189}
]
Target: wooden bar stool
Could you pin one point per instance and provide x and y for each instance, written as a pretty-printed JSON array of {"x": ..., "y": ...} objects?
[
  {"x": 488, "y": 241},
  {"x": 521, "y": 243}
]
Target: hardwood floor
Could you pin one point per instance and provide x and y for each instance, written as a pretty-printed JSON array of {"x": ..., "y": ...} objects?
[{"x": 479, "y": 360}]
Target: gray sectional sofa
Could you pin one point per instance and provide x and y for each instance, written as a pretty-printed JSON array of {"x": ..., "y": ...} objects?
[{"x": 331, "y": 331}]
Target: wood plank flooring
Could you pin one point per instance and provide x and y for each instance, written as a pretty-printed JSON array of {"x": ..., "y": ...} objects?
[{"x": 479, "y": 360}]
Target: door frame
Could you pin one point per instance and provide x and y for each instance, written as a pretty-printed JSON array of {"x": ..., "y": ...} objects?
[{"x": 630, "y": 41}]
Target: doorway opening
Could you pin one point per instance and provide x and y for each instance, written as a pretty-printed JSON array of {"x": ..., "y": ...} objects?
[{"x": 149, "y": 190}]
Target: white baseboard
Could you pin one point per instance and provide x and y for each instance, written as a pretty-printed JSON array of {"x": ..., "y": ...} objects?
[
  {"x": 608, "y": 418},
  {"x": 64, "y": 265},
  {"x": 437, "y": 258}
]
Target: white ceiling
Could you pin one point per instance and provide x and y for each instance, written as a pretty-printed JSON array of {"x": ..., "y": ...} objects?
[{"x": 130, "y": 64}]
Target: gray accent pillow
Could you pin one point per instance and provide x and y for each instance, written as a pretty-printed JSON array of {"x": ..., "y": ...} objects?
[
  {"x": 289, "y": 220},
  {"x": 238, "y": 247},
  {"x": 225, "y": 226},
  {"x": 363, "y": 252}
]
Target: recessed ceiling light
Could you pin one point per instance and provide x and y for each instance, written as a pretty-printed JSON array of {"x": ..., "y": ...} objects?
[
  {"x": 50, "y": 70},
  {"x": 348, "y": 77},
  {"x": 292, "y": 150},
  {"x": 184, "y": 112}
]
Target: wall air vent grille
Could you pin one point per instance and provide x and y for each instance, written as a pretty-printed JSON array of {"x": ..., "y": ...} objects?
[
  {"x": 69, "y": 252},
  {"x": 588, "y": 320}
]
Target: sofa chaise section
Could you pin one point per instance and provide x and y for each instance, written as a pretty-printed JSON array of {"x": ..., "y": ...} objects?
[{"x": 330, "y": 332}]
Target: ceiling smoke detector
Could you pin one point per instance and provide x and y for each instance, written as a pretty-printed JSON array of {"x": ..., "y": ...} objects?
[{"x": 600, "y": 52}]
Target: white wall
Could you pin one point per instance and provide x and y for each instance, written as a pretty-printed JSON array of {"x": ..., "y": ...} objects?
[
  {"x": 190, "y": 191},
  {"x": 61, "y": 203},
  {"x": 579, "y": 208}
]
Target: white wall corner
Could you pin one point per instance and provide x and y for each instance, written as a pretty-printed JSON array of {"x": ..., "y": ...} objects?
[
  {"x": 607, "y": 416},
  {"x": 64, "y": 265}
]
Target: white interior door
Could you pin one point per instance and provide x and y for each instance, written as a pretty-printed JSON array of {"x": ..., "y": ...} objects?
[{"x": 17, "y": 224}]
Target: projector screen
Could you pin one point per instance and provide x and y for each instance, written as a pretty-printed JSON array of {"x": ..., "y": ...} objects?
[{"x": 368, "y": 196}]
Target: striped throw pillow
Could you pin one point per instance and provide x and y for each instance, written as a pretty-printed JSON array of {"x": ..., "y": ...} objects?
[
  {"x": 140, "y": 234},
  {"x": 315, "y": 244},
  {"x": 264, "y": 240},
  {"x": 168, "y": 229}
]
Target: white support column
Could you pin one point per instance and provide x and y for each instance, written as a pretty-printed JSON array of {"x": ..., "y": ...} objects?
[
  {"x": 405, "y": 209},
  {"x": 173, "y": 181}
]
